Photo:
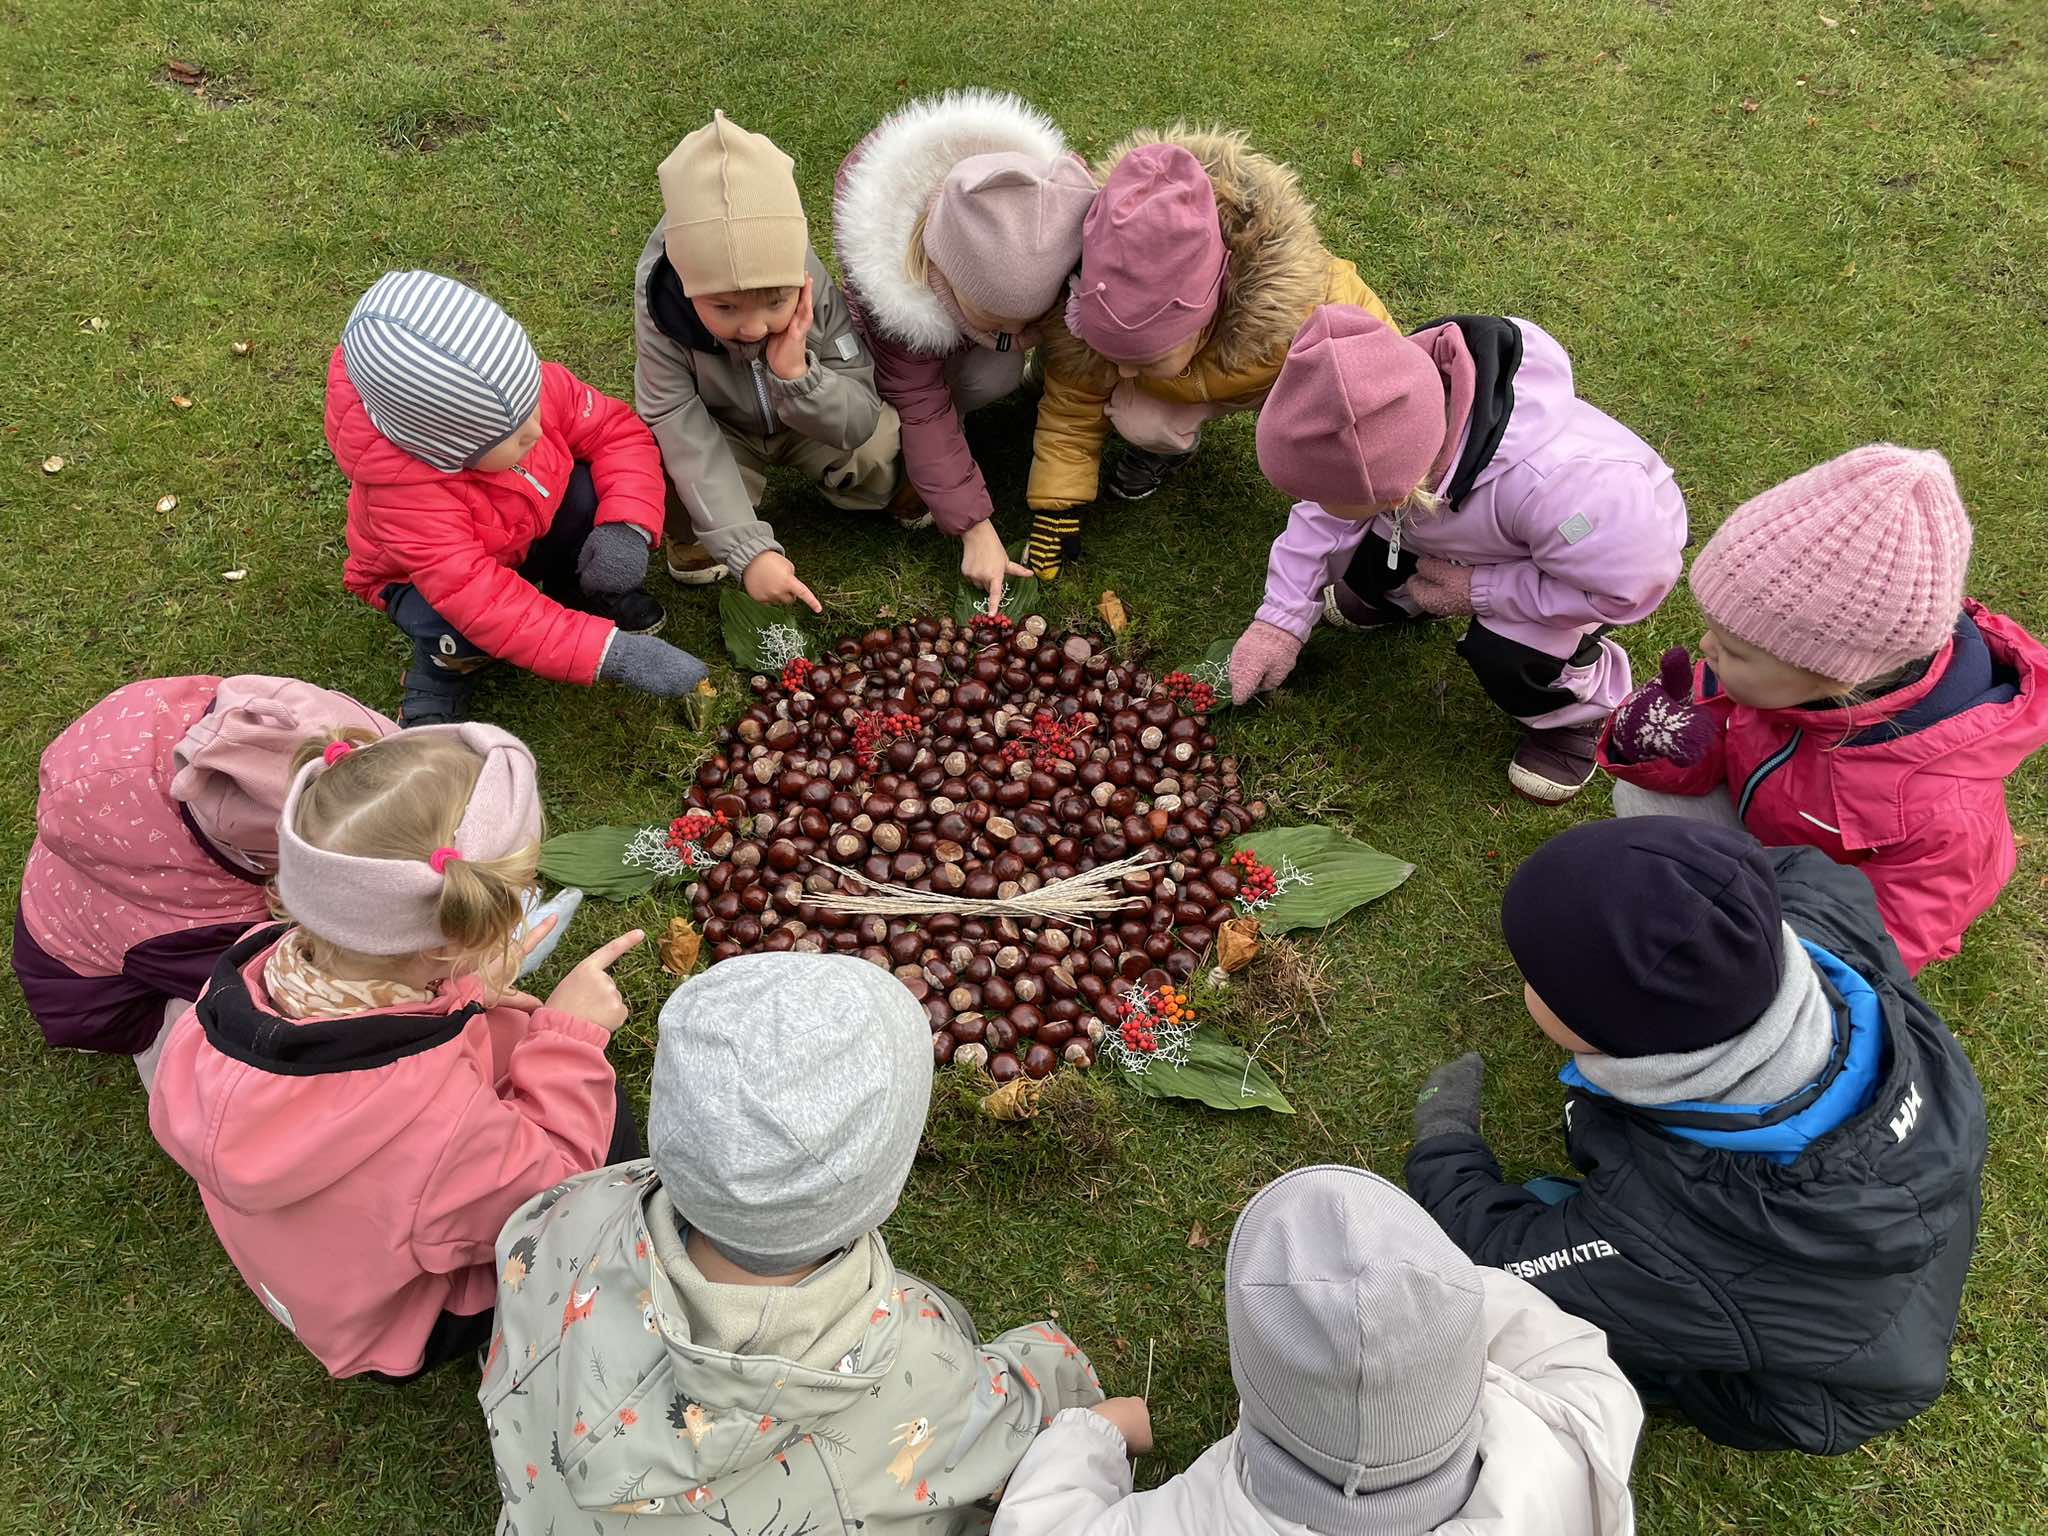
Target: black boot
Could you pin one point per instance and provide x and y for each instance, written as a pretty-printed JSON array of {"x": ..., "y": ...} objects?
[
  {"x": 635, "y": 612},
  {"x": 1140, "y": 471}
]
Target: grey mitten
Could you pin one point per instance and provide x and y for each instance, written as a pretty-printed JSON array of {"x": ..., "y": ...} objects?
[
  {"x": 613, "y": 560},
  {"x": 1449, "y": 1102},
  {"x": 651, "y": 665}
]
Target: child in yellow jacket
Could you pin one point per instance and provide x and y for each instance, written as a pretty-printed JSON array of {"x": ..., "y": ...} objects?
[{"x": 1200, "y": 260}]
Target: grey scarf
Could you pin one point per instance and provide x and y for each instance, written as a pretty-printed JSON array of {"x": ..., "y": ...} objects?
[{"x": 1784, "y": 1050}]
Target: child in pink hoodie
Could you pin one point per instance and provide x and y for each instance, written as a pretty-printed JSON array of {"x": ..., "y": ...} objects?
[
  {"x": 361, "y": 1098},
  {"x": 156, "y": 831}
]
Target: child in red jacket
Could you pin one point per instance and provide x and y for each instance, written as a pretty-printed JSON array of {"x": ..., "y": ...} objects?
[
  {"x": 1852, "y": 699},
  {"x": 360, "y": 1095},
  {"x": 500, "y": 507}
]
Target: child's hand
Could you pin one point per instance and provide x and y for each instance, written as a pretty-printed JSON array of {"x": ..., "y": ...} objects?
[
  {"x": 613, "y": 560},
  {"x": 1261, "y": 659},
  {"x": 651, "y": 665},
  {"x": 770, "y": 578},
  {"x": 985, "y": 562},
  {"x": 1660, "y": 719},
  {"x": 1133, "y": 1420},
  {"x": 787, "y": 352},
  {"x": 588, "y": 992},
  {"x": 1440, "y": 587},
  {"x": 1449, "y": 1102}
]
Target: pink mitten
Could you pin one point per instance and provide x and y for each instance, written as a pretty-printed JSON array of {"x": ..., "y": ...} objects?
[
  {"x": 1261, "y": 659},
  {"x": 1660, "y": 719},
  {"x": 1440, "y": 587}
]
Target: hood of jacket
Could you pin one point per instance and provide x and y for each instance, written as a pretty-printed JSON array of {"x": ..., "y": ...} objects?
[
  {"x": 888, "y": 180},
  {"x": 670, "y": 308},
  {"x": 256, "y": 1158}
]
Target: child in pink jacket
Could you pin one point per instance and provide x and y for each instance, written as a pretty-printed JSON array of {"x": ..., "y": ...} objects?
[
  {"x": 156, "y": 832},
  {"x": 1455, "y": 471},
  {"x": 1852, "y": 699},
  {"x": 360, "y": 1098}
]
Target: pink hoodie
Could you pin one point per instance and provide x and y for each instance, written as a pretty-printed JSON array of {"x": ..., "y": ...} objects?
[{"x": 357, "y": 1169}]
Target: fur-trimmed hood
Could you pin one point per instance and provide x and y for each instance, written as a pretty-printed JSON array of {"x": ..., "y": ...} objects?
[
  {"x": 1279, "y": 268},
  {"x": 888, "y": 180}
]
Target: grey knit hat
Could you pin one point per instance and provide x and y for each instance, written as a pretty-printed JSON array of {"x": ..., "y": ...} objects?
[
  {"x": 444, "y": 373},
  {"x": 1358, "y": 1350},
  {"x": 788, "y": 1096}
]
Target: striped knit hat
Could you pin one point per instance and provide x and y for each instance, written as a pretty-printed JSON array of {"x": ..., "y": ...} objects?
[
  {"x": 1358, "y": 1350},
  {"x": 444, "y": 373}
]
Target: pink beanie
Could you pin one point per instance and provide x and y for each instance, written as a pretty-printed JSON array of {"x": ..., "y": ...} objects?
[
  {"x": 1005, "y": 229},
  {"x": 391, "y": 906},
  {"x": 1850, "y": 570},
  {"x": 232, "y": 768},
  {"x": 1152, "y": 257},
  {"x": 1356, "y": 417}
]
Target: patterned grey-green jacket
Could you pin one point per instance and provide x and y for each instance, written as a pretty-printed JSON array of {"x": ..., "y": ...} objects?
[{"x": 606, "y": 1417}]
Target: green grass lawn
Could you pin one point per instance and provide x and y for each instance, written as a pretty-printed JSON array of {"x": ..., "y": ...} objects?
[{"x": 1764, "y": 233}]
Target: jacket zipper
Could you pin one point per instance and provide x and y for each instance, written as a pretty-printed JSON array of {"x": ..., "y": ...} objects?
[
  {"x": 1394, "y": 544},
  {"x": 761, "y": 394},
  {"x": 524, "y": 474},
  {"x": 1764, "y": 770}
]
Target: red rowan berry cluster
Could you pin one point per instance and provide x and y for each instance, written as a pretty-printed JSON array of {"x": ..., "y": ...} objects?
[
  {"x": 796, "y": 675},
  {"x": 872, "y": 728},
  {"x": 1196, "y": 698},
  {"x": 1257, "y": 883}
]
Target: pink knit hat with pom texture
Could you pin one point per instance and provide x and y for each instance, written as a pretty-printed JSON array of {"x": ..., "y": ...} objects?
[{"x": 1850, "y": 570}]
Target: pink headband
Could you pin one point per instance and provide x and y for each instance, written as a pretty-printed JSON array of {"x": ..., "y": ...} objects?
[{"x": 389, "y": 906}]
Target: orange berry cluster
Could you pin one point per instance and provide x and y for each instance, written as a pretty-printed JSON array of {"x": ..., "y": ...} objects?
[{"x": 1140, "y": 1023}]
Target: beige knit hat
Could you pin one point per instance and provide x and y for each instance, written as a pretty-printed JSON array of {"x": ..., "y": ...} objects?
[{"x": 731, "y": 216}]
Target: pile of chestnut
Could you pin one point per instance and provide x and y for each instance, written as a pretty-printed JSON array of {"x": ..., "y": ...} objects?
[{"x": 1100, "y": 764}]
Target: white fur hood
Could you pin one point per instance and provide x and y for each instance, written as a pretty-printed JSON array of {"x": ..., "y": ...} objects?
[{"x": 889, "y": 179}]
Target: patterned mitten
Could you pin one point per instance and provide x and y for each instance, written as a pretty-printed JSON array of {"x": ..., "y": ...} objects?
[
  {"x": 613, "y": 560},
  {"x": 1660, "y": 719},
  {"x": 1261, "y": 659},
  {"x": 1047, "y": 548}
]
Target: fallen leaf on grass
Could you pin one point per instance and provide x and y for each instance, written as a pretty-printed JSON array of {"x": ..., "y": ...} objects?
[
  {"x": 190, "y": 76},
  {"x": 95, "y": 325},
  {"x": 1237, "y": 944},
  {"x": 167, "y": 503},
  {"x": 53, "y": 463},
  {"x": 1751, "y": 104},
  {"x": 1113, "y": 612},
  {"x": 182, "y": 402},
  {"x": 1198, "y": 1237},
  {"x": 1357, "y": 160},
  {"x": 1827, "y": 21},
  {"x": 242, "y": 348},
  {"x": 232, "y": 575},
  {"x": 679, "y": 947},
  {"x": 1015, "y": 1100}
]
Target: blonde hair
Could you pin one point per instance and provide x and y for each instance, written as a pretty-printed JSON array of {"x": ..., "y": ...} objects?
[
  {"x": 402, "y": 797},
  {"x": 1420, "y": 503},
  {"x": 917, "y": 265}
]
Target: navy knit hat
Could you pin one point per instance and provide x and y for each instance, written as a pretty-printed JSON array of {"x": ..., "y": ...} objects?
[
  {"x": 444, "y": 373},
  {"x": 1648, "y": 935}
]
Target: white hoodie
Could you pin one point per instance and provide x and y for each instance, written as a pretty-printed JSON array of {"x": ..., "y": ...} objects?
[{"x": 1558, "y": 1432}]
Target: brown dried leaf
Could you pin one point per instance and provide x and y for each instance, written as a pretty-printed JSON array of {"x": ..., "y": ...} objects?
[
  {"x": 182, "y": 402},
  {"x": 1198, "y": 1236},
  {"x": 189, "y": 75},
  {"x": 1751, "y": 104},
  {"x": 1357, "y": 160},
  {"x": 679, "y": 947},
  {"x": 1113, "y": 612},
  {"x": 1015, "y": 1100},
  {"x": 1237, "y": 944}
]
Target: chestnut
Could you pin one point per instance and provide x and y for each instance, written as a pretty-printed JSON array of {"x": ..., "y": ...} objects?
[
  {"x": 1039, "y": 1060},
  {"x": 1004, "y": 1067}
]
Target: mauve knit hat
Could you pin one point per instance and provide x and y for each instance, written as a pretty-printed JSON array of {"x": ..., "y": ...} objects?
[
  {"x": 788, "y": 1096},
  {"x": 1005, "y": 230},
  {"x": 1152, "y": 257},
  {"x": 392, "y": 906},
  {"x": 1358, "y": 1348},
  {"x": 1850, "y": 570},
  {"x": 1356, "y": 417},
  {"x": 444, "y": 373},
  {"x": 1649, "y": 935}
]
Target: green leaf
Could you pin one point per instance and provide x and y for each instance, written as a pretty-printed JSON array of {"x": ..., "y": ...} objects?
[
  {"x": 595, "y": 860},
  {"x": 744, "y": 621},
  {"x": 1022, "y": 596},
  {"x": 1217, "y": 1073},
  {"x": 1344, "y": 873},
  {"x": 1214, "y": 669}
]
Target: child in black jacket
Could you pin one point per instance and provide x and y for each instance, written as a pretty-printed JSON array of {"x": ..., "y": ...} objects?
[{"x": 1781, "y": 1145}]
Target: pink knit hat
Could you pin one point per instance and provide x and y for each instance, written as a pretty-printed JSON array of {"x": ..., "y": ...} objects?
[
  {"x": 1850, "y": 570},
  {"x": 1152, "y": 257},
  {"x": 1005, "y": 230},
  {"x": 232, "y": 768},
  {"x": 1356, "y": 417},
  {"x": 391, "y": 906}
]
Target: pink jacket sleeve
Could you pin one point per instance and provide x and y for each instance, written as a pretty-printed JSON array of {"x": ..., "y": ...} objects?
[
  {"x": 1597, "y": 552},
  {"x": 553, "y": 1120},
  {"x": 1302, "y": 561},
  {"x": 603, "y": 432},
  {"x": 935, "y": 450}
]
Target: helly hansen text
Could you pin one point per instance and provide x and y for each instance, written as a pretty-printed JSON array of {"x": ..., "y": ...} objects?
[
  {"x": 1908, "y": 1115},
  {"x": 1581, "y": 1253}
]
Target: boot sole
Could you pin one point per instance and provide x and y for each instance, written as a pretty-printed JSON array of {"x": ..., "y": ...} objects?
[
  {"x": 695, "y": 578},
  {"x": 1533, "y": 786}
]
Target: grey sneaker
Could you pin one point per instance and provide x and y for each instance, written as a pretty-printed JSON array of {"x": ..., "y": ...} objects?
[{"x": 1551, "y": 766}]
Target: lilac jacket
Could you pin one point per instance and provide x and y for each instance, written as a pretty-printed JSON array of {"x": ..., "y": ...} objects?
[{"x": 1575, "y": 523}]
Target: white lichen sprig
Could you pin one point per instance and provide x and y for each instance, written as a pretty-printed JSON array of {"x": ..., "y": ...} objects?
[
  {"x": 650, "y": 849},
  {"x": 1286, "y": 873},
  {"x": 777, "y": 646}
]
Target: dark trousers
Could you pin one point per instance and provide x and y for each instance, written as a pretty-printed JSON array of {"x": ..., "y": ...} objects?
[
  {"x": 444, "y": 662},
  {"x": 460, "y": 1335},
  {"x": 1520, "y": 679}
]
